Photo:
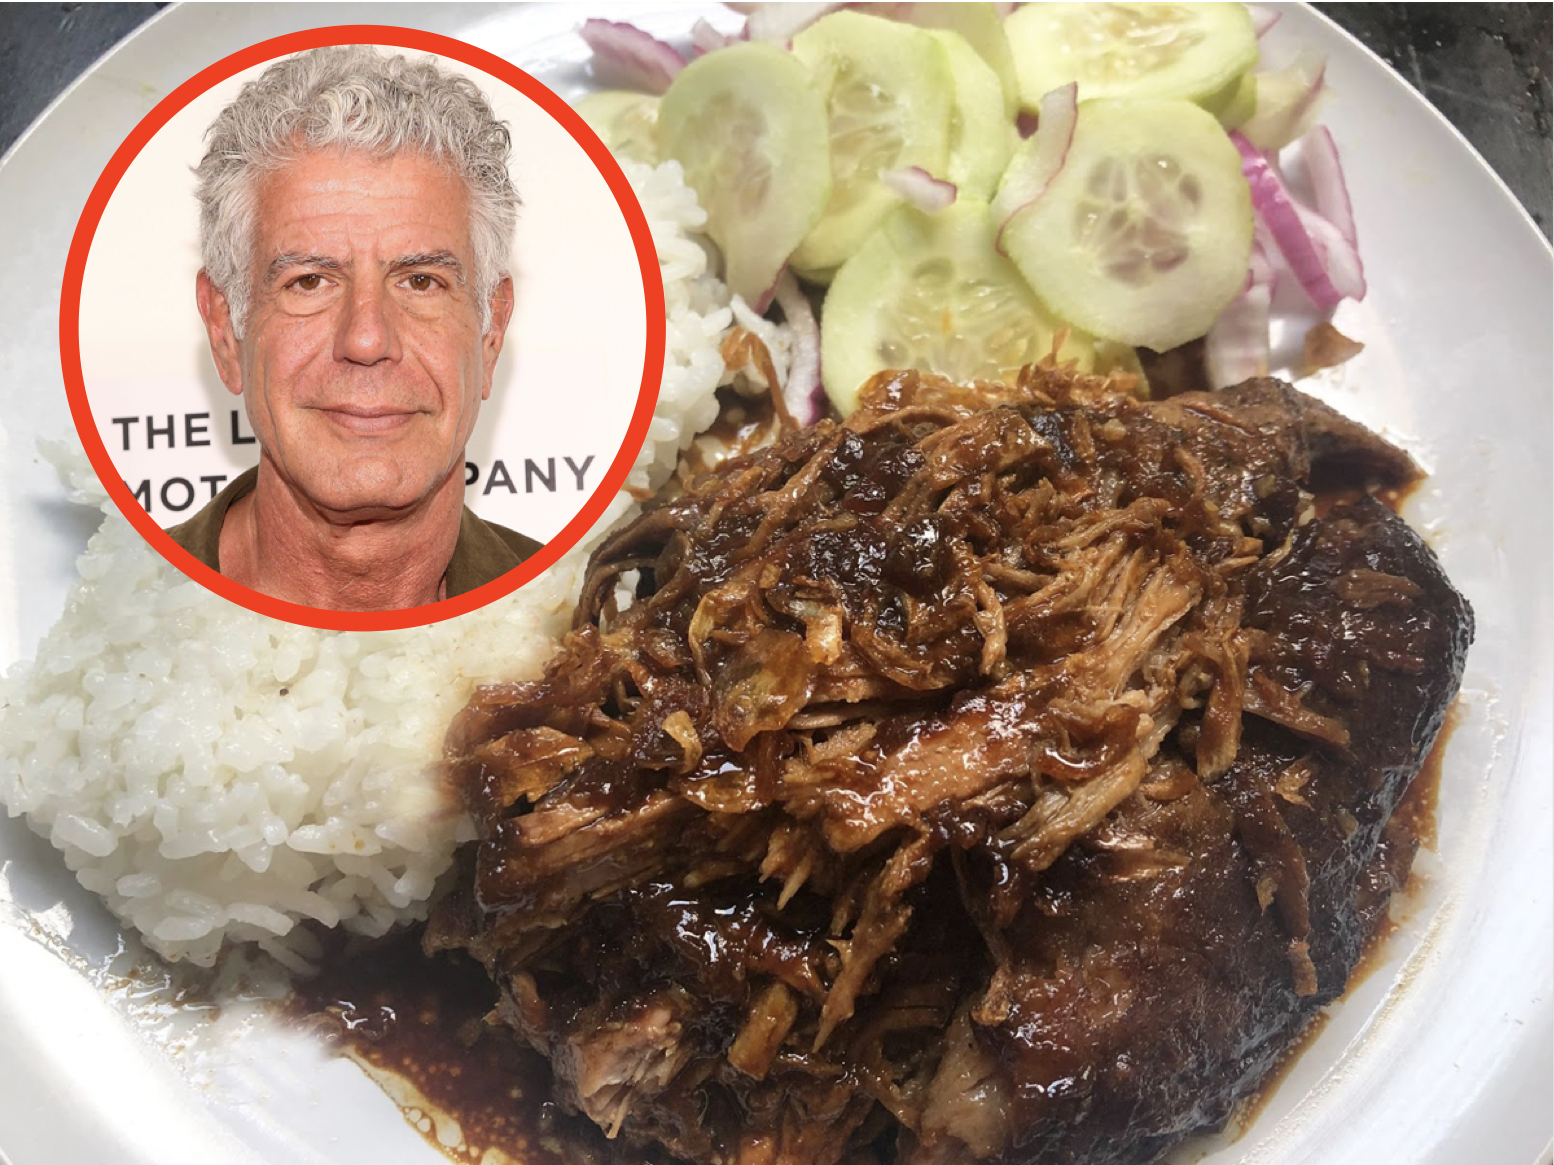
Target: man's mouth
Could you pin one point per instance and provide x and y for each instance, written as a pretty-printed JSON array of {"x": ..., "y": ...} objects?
[{"x": 366, "y": 420}]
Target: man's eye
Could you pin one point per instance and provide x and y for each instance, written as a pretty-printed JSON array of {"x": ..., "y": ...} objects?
[
  {"x": 420, "y": 282},
  {"x": 310, "y": 282}
]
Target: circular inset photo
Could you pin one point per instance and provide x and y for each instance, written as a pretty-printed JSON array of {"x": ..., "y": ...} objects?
[{"x": 362, "y": 335}]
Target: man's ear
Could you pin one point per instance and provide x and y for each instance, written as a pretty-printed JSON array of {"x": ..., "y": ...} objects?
[
  {"x": 217, "y": 314},
  {"x": 501, "y": 316}
]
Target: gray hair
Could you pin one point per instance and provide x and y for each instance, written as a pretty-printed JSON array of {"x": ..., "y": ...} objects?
[{"x": 353, "y": 97}]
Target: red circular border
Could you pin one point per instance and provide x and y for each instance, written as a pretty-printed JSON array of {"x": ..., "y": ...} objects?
[{"x": 563, "y": 114}]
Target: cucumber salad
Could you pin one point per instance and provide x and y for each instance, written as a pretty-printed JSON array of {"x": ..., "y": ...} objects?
[{"x": 971, "y": 189}]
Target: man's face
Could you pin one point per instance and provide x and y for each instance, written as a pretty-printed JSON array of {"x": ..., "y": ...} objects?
[{"x": 363, "y": 364}]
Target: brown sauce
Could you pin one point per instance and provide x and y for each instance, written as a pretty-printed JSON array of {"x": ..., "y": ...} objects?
[
  {"x": 414, "y": 1022},
  {"x": 1391, "y": 496},
  {"x": 1250, "y": 1107},
  {"x": 1413, "y": 824},
  {"x": 744, "y": 424}
]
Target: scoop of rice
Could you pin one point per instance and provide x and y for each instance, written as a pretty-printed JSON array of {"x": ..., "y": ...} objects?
[{"x": 219, "y": 776}]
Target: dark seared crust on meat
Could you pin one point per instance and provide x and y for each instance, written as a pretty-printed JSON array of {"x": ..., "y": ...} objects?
[
  {"x": 1157, "y": 977},
  {"x": 998, "y": 776}
]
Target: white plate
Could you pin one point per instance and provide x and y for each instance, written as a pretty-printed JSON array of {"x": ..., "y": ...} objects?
[{"x": 1441, "y": 1056}]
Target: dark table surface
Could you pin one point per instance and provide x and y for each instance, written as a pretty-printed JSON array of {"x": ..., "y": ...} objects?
[{"x": 1485, "y": 66}]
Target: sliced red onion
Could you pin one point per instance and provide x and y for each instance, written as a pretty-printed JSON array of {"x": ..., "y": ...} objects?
[
  {"x": 1264, "y": 17},
  {"x": 1262, "y": 270},
  {"x": 803, "y": 394},
  {"x": 920, "y": 188},
  {"x": 629, "y": 58},
  {"x": 1287, "y": 101},
  {"x": 1328, "y": 189},
  {"x": 1339, "y": 256},
  {"x": 706, "y": 39},
  {"x": 1236, "y": 347},
  {"x": 1327, "y": 268},
  {"x": 764, "y": 300},
  {"x": 780, "y": 22},
  {"x": 1035, "y": 165}
]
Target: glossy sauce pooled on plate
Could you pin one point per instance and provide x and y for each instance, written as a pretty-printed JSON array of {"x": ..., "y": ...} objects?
[{"x": 419, "y": 1018}]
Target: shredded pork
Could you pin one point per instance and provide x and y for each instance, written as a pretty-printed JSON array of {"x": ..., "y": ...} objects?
[{"x": 763, "y": 855}]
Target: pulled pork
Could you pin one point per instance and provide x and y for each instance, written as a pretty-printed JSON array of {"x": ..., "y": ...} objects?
[{"x": 997, "y": 775}]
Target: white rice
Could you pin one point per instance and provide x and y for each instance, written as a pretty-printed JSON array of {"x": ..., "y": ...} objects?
[{"x": 218, "y": 776}]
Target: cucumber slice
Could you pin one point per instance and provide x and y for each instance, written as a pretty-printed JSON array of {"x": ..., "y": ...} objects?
[
  {"x": 819, "y": 276},
  {"x": 930, "y": 292},
  {"x": 1130, "y": 50},
  {"x": 888, "y": 91},
  {"x": 981, "y": 137},
  {"x": 1285, "y": 102},
  {"x": 625, "y": 121},
  {"x": 1039, "y": 158},
  {"x": 1236, "y": 103},
  {"x": 983, "y": 29},
  {"x": 1145, "y": 233},
  {"x": 749, "y": 128}
]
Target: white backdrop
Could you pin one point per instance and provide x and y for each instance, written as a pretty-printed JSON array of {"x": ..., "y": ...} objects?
[{"x": 565, "y": 386}]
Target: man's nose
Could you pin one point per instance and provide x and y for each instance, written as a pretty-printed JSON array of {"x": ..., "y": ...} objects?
[{"x": 366, "y": 333}]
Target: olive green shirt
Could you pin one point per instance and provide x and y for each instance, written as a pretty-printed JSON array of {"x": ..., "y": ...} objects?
[{"x": 484, "y": 551}]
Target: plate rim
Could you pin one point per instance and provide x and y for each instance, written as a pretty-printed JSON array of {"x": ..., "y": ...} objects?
[{"x": 1330, "y": 27}]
